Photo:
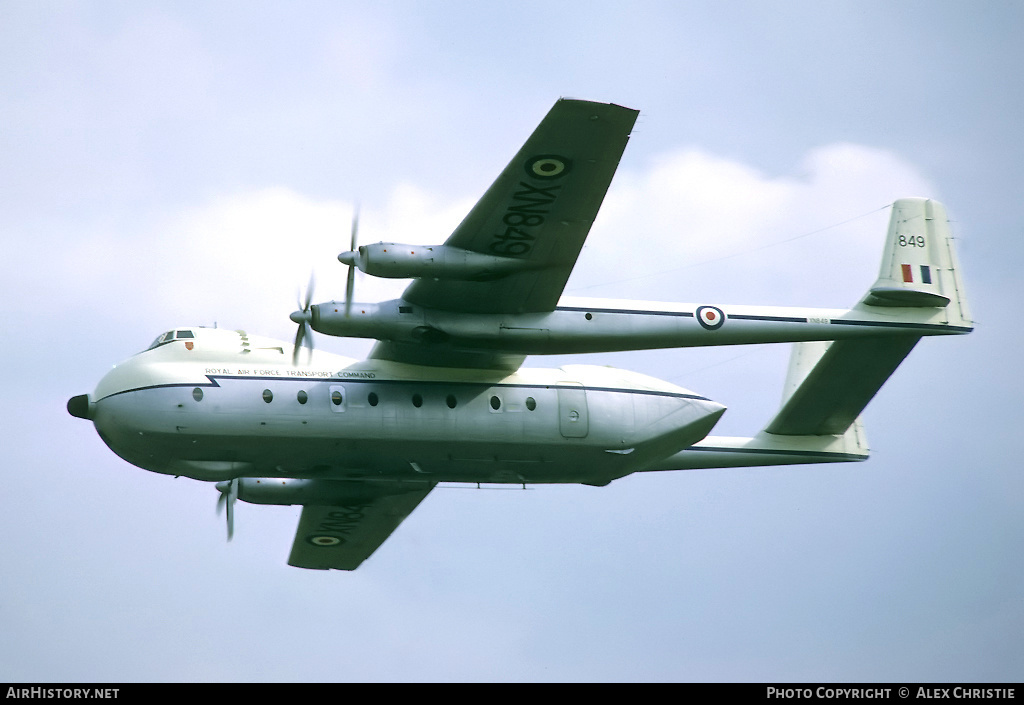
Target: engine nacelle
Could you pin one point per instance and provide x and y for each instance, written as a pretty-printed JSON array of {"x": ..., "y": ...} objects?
[
  {"x": 387, "y": 320},
  {"x": 281, "y": 491},
  {"x": 392, "y": 260}
]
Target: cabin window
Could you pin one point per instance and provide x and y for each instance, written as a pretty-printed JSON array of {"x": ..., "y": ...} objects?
[
  {"x": 495, "y": 403},
  {"x": 302, "y": 396},
  {"x": 184, "y": 334},
  {"x": 531, "y": 403},
  {"x": 417, "y": 400},
  {"x": 451, "y": 401},
  {"x": 337, "y": 396},
  {"x": 268, "y": 396},
  {"x": 373, "y": 399},
  {"x": 197, "y": 394}
]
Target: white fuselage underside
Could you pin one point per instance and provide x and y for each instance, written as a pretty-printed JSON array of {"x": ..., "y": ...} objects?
[{"x": 230, "y": 406}]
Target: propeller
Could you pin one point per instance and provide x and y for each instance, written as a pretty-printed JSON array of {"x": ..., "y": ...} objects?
[
  {"x": 304, "y": 335},
  {"x": 228, "y": 497},
  {"x": 304, "y": 316},
  {"x": 350, "y": 258}
]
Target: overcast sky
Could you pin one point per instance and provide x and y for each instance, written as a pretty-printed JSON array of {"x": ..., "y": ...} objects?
[{"x": 190, "y": 163}]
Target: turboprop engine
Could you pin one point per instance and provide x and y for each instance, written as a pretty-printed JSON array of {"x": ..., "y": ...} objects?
[
  {"x": 393, "y": 260},
  {"x": 291, "y": 491}
]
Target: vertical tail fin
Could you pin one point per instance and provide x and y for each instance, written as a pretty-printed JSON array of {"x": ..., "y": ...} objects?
[
  {"x": 919, "y": 267},
  {"x": 831, "y": 382}
]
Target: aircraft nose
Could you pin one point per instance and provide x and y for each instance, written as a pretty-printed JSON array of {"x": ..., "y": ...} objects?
[{"x": 80, "y": 406}]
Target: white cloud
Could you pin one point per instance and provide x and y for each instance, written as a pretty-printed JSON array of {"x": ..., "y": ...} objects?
[
  {"x": 242, "y": 260},
  {"x": 246, "y": 255},
  {"x": 696, "y": 225}
]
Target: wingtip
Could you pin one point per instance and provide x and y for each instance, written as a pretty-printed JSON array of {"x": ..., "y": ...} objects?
[{"x": 584, "y": 101}]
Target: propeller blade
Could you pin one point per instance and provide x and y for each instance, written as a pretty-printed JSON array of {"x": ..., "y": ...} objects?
[
  {"x": 307, "y": 331},
  {"x": 350, "y": 282},
  {"x": 304, "y": 334},
  {"x": 231, "y": 520},
  {"x": 309, "y": 291},
  {"x": 298, "y": 341},
  {"x": 350, "y": 287},
  {"x": 228, "y": 497},
  {"x": 355, "y": 228}
]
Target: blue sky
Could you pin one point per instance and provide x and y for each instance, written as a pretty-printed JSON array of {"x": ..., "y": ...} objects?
[{"x": 168, "y": 163}]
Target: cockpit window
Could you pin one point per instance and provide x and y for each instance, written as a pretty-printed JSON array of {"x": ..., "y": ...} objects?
[
  {"x": 161, "y": 339},
  {"x": 168, "y": 337}
]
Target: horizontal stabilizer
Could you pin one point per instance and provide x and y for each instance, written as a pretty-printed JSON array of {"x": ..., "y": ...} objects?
[
  {"x": 769, "y": 449},
  {"x": 829, "y": 384}
]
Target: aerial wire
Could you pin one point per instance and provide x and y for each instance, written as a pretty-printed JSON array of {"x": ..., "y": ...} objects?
[{"x": 734, "y": 254}]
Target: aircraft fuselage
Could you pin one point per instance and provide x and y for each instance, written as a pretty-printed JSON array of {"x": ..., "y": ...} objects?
[{"x": 223, "y": 405}]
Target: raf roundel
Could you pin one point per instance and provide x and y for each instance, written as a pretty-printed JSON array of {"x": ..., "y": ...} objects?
[
  {"x": 324, "y": 541},
  {"x": 547, "y": 166},
  {"x": 710, "y": 317}
]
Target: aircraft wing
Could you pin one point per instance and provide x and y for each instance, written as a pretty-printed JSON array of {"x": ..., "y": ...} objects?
[
  {"x": 539, "y": 211},
  {"x": 345, "y": 533}
]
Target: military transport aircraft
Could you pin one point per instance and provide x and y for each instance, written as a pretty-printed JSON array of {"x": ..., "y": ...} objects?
[{"x": 442, "y": 396}]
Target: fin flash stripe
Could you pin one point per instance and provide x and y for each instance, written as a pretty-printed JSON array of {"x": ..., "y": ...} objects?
[{"x": 908, "y": 273}]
